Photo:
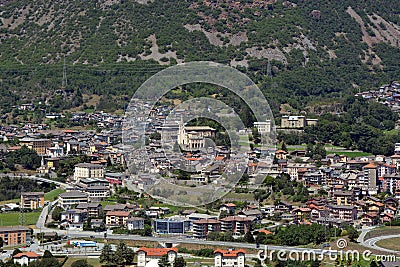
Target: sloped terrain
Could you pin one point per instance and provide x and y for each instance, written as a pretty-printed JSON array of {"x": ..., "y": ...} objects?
[{"x": 296, "y": 50}]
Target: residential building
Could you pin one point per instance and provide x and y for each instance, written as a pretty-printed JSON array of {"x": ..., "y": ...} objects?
[
  {"x": 263, "y": 127},
  {"x": 94, "y": 210},
  {"x": 117, "y": 218},
  {"x": 15, "y": 235},
  {"x": 24, "y": 258},
  {"x": 293, "y": 122},
  {"x": 342, "y": 197},
  {"x": 135, "y": 223},
  {"x": 391, "y": 183},
  {"x": 39, "y": 145},
  {"x": 346, "y": 213},
  {"x": 115, "y": 179},
  {"x": 229, "y": 208},
  {"x": 98, "y": 193},
  {"x": 236, "y": 224},
  {"x": 32, "y": 200},
  {"x": 88, "y": 170},
  {"x": 68, "y": 199},
  {"x": 74, "y": 216},
  {"x": 369, "y": 181},
  {"x": 229, "y": 258},
  {"x": 202, "y": 227},
  {"x": 145, "y": 255}
]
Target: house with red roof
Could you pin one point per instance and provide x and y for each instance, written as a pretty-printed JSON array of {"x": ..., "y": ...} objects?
[
  {"x": 145, "y": 255},
  {"x": 229, "y": 208},
  {"x": 24, "y": 258},
  {"x": 229, "y": 258}
]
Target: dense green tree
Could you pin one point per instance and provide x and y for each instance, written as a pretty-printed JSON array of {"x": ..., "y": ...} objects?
[
  {"x": 107, "y": 254},
  {"x": 81, "y": 263},
  {"x": 56, "y": 214},
  {"x": 179, "y": 262},
  {"x": 123, "y": 255}
]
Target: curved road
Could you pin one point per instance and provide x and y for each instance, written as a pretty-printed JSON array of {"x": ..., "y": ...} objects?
[{"x": 371, "y": 243}]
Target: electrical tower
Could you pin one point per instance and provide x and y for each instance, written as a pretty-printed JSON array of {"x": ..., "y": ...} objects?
[
  {"x": 269, "y": 71},
  {"x": 22, "y": 219},
  {"x": 64, "y": 80}
]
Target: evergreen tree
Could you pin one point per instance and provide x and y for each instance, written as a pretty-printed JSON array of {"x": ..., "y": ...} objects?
[
  {"x": 123, "y": 255},
  {"x": 107, "y": 254},
  {"x": 163, "y": 262},
  {"x": 179, "y": 262}
]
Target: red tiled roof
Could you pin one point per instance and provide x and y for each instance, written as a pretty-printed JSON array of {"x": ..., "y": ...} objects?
[
  {"x": 236, "y": 218},
  {"x": 26, "y": 254},
  {"x": 193, "y": 159},
  {"x": 230, "y": 253},
  {"x": 265, "y": 231},
  {"x": 118, "y": 213},
  {"x": 207, "y": 221},
  {"x": 370, "y": 166},
  {"x": 157, "y": 252}
]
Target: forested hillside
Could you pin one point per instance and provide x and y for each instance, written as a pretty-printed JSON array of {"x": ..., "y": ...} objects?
[{"x": 298, "y": 51}]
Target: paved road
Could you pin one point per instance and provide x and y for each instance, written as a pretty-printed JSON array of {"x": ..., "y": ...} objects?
[
  {"x": 371, "y": 243},
  {"x": 174, "y": 240},
  {"x": 43, "y": 215}
]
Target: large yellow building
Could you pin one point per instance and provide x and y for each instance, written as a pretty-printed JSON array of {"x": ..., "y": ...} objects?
[
  {"x": 297, "y": 122},
  {"x": 39, "y": 145},
  {"x": 193, "y": 137}
]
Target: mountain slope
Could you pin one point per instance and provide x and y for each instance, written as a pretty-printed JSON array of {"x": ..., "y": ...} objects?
[{"x": 315, "y": 49}]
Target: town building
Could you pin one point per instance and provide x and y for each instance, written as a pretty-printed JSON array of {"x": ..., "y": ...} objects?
[
  {"x": 135, "y": 223},
  {"x": 39, "y": 145},
  {"x": 117, "y": 218},
  {"x": 202, "y": 227},
  {"x": 297, "y": 122},
  {"x": 263, "y": 127},
  {"x": 88, "y": 170},
  {"x": 229, "y": 258},
  {"x": 32, "y": 200},
  {"x": 94, "y": 210},
  {"x": 25, "y": 258},
  {"x": 346, "y": 213},
  {"x": 193, "y": 137},
  {"x": 71, "y": 198},
  {"x": 15, "y": 235},
  {"x": 172, "y": 226},
  {"x": 236, "y": 224},
  {"x": 145, "y": 255}
]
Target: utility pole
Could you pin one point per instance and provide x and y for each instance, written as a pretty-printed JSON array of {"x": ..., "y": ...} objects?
[
  {"x": 21, "y": 211},
  {"x": 64, "y": 80}
]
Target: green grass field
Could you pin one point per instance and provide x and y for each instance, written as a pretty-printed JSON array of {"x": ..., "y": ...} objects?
[
  {"x": 350, "y": 154},
  {"x": 391, "y": 243},
  {"x": 91, "y": 261},
  {"x": 52, "y": 195},
  {"x": 386, "y": 230},
  {"x": 12, "y": 218}
]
